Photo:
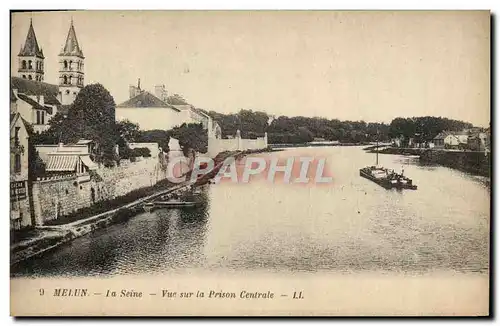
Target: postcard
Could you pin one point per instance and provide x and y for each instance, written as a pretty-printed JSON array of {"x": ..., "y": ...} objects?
[{"x": 250, "y": 163}]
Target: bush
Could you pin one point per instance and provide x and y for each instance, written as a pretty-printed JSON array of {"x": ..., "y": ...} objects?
[{"x": 141, "y": 151}]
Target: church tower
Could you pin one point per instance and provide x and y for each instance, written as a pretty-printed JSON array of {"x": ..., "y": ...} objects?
[
  {"x": 71, "y": 68},
  {"x": 31, "y": 57}
]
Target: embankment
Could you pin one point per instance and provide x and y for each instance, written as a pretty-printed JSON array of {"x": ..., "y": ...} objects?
[
  {"x": 468, "y": 161},
  {"x": 472, "y": 162}
]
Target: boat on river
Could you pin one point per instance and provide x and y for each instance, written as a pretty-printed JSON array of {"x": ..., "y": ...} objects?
[{"x": 386, "y": 178}]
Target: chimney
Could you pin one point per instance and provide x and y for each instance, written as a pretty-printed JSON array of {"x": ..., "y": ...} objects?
[
  {"x": 161, "y": 92},
  {"x": 42, "y": 100}
]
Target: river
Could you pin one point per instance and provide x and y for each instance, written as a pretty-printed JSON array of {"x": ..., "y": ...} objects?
[{"x": 347, "y": 226}]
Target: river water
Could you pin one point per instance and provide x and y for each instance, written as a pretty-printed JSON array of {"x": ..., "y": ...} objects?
[{"x": 350, "y": 225}]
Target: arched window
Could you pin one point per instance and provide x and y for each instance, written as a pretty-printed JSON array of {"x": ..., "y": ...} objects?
[
  {"x": 24, "y": 76},
  {"x": 30, "y": 64},
  {"x": 30, "y": 77},
  {"x": 65, "y": 79},
  {"x": 70, "y": 79},
  {"x": 70, "y": 65},
  {"x": 24, "y": 64},
  {"x": 65, "y": 64}
]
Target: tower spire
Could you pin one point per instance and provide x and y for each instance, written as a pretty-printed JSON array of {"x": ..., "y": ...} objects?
[
  {"x": 71, "y": 71},
  {"x": 71, "y": 46},
  {"x": 31, "y": 57},
  {"x": 31, "y": 47}
]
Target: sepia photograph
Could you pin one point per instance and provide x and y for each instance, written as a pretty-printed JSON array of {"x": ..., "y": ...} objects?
[{"x": 250, "y": 163}]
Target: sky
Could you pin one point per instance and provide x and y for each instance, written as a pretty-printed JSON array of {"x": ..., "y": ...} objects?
[{"x": 371, "y": 66}]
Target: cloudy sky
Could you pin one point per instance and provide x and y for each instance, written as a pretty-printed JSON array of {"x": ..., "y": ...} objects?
[{"x": 370, "y": 66}]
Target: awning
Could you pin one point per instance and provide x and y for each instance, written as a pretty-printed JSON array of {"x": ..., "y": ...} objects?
[
  {"x": 61, "y": 163},
  {"x": 88, "y": 162}
]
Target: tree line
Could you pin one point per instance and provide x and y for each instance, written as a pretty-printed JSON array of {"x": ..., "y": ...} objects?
[{"x": 300, "y": 129}]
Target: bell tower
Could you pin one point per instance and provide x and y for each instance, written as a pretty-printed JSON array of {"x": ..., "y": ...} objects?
[
  {"x": 31, "y": 57},
  {"x": 71, "y": 68}
]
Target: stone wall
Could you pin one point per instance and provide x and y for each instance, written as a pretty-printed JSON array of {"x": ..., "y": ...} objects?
[
  {"x": 57, "y": 196},
  {"x": 216, "y": 146}
]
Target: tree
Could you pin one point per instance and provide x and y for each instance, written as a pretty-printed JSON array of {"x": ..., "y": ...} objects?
[
  {"x": 176, "y": 99},
  {"x": 191, "y": 136},
  {"x": 162, "y": 137},
  {"x": 127, "y": 132},
  {"x": 92, "y": 116},
  {"x": 58, "y": 126}
]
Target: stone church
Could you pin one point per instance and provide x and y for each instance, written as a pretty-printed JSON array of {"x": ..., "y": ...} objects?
[{"x": 38, "y": 101}]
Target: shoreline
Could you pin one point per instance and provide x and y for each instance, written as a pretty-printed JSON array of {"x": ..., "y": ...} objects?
[{"x": 473, "y": 162}]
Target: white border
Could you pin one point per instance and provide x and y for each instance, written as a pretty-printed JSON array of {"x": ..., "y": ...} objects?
[{"x": 191, "y": 4}]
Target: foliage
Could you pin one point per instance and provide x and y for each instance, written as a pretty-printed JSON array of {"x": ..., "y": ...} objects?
[
  {"x": 36, "y": 167},
  {"x": 191, "y": 136},
  {"x": 423, "y": 129},
  {"x": 91, "y": 116},
  {"x": 299, "y": 129},
  {"x": 162, "y": 137},
  {"x": 141, "y": 151},
  {"x": 127, "y": 131},
  {"x": 176, "y": 99}
]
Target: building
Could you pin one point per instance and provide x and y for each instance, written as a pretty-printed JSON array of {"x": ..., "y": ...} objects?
[
  {"x": 155, "y": 111},
  {"x": 148, "y": 111},
  {"x": 71, "y": 159},
  {"x": 35, "y": 100},
  {"x": 71, "y": 65},
  {"x": 478, "y": 141},
  {"x": 20, "y": 215},
  {"x": 31, "y": 65},
  {"x": 451, "y": 139}
]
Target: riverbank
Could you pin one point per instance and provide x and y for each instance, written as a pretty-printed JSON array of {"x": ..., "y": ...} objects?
[
  {"x": 467, "y": 161},
  {"x": 317, "y": 144},
  {"x": 58, "y": 232}
]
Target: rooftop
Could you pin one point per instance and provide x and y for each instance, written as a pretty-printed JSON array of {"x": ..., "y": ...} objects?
[
  {"x": 146, "y": 100},
  {"x": 32, "y": 87}
]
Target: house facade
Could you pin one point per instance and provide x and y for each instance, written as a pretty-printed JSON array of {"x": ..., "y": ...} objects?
[
  {"x": 20, "y": 215},
  {"x": 452, "y": 140},
  {"x": 154, "y": 111}
]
